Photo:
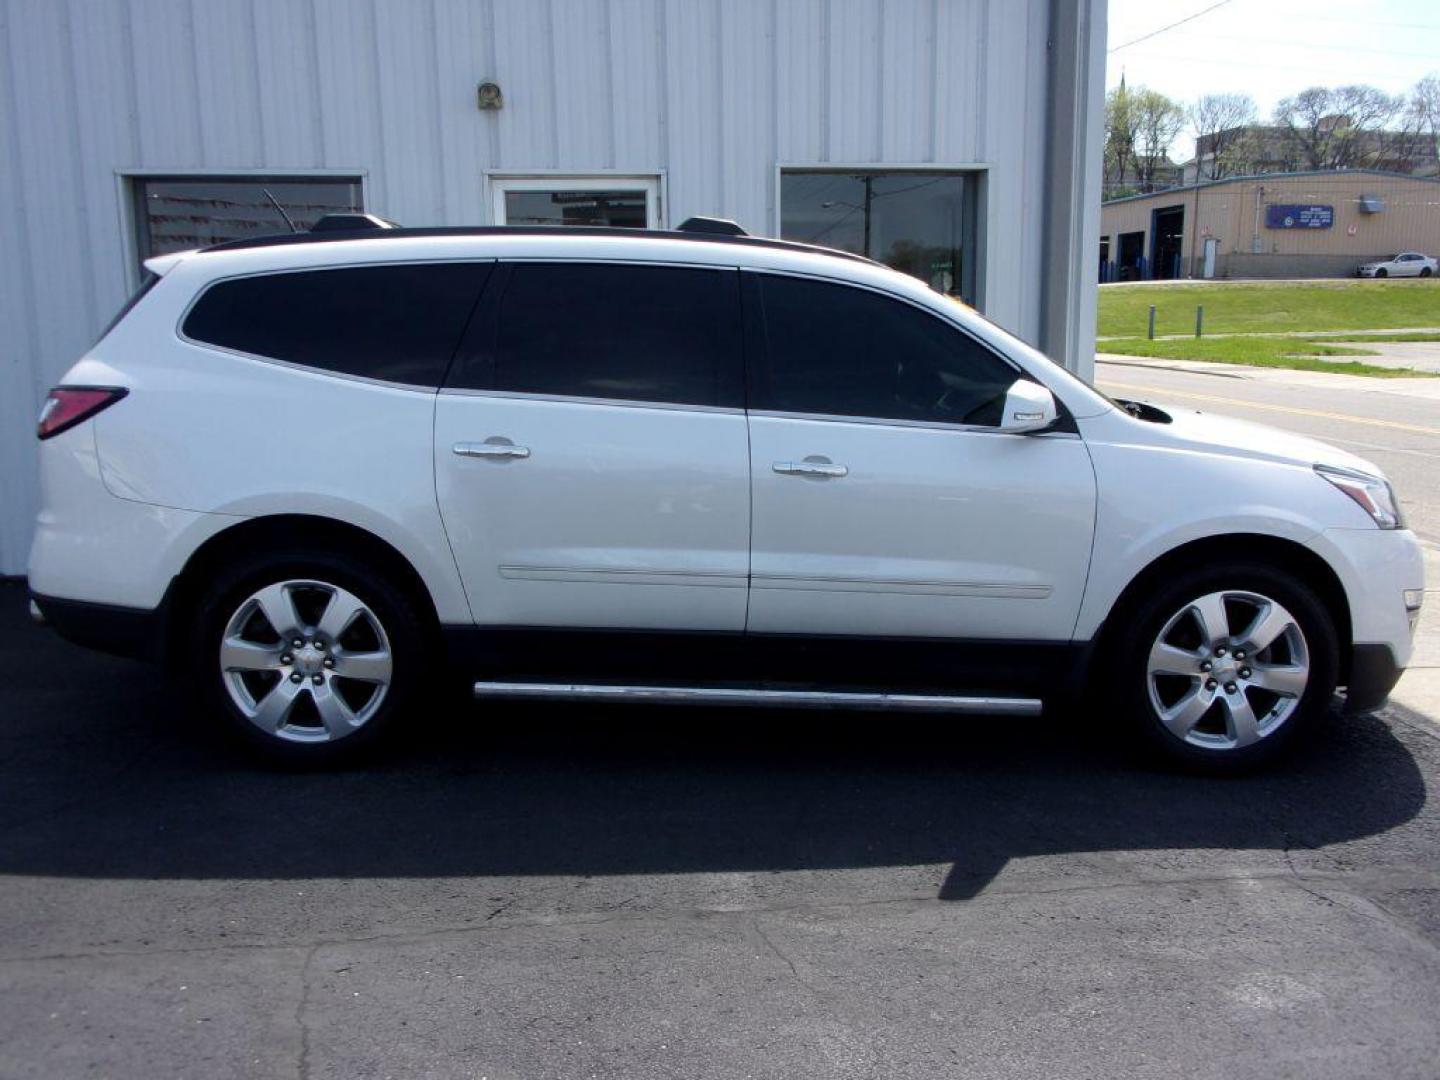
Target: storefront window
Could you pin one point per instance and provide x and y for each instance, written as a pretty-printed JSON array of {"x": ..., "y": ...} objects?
[
  {"x": 177, "y": 213},
  {"x": 921, "y": 223}
]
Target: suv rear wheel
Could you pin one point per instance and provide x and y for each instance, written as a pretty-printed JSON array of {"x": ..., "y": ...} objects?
[
  {"x": 309, "y": 656},
  {"x": 1223, "y": 667}
]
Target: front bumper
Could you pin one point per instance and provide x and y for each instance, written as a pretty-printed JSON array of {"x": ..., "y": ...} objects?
[
  {"x": 1377, "y": 568},
  {"x": 1373, "y": 674}
]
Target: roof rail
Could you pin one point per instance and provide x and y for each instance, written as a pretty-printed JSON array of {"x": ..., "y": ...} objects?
[
  {"x": 351, "y": 222},
  {"x": 712, "y": 226},
  {"x": 377, "y": 233}
]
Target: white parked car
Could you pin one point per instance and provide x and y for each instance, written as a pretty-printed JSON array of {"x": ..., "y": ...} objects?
[
  {"x": 318, "y": 473},
  {"x": 1405, "y": 264}
]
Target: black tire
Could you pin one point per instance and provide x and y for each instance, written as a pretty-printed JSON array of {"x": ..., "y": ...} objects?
[
  {"x": 1382, "y": 272},
  {"x": 396, "y": 612},
  {"x": 1425, "y": 271},
  {"x": 1141, "y": 626}
]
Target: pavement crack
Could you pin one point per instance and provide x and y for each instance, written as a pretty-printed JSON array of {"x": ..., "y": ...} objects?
[
  {"x": 1298, "y": 878},
  {"x": 302, "y": 1061},
  {"x": 781, "y": 955},
  {"x": 1347, "y": 881}
]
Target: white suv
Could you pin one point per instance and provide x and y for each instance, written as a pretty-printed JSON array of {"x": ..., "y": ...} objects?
[{"x": 318, "y": 472}]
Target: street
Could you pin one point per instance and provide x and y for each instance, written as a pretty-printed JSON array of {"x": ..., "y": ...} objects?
[
  {"x": 1393, "y": 422},
  {"x": 576, "y": 892}
]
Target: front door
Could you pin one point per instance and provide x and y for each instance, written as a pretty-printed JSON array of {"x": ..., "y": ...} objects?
[
  {"x": 591, "y": 450},
  {"x": 885, "y": 501}
]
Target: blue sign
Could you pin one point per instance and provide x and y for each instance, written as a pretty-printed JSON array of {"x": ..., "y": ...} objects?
[{"x": 1285, "y": 216}]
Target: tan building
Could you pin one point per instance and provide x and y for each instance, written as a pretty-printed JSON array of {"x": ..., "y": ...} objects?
[{"x": 1310, "y": 224}]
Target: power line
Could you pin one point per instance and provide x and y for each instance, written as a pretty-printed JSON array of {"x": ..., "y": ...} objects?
[
  {"x": 1170, "y": 26},
  {"x": 1314, "y": 45}
]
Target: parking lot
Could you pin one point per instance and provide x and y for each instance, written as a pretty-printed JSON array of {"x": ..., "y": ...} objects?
[
  {"x": 525, "y": 893},
  {"x": 575, "y": 892}
]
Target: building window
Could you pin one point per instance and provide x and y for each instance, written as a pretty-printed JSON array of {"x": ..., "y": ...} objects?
[
  {"x": 177, "y": 213},
  {"x": 620, "y": 202},
  {"x": 920, "y": 222}
]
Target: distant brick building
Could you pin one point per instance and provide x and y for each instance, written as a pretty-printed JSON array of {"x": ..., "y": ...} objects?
[{"x": 1303, "y": 224}]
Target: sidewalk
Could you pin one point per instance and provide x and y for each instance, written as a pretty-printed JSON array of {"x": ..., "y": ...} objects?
[
  {"x": 1418, "y": 388},
  {"x": 1308, "y": 335}
]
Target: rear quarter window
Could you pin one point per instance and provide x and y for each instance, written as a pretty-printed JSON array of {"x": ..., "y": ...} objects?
[{"x": 397, "y": 323}]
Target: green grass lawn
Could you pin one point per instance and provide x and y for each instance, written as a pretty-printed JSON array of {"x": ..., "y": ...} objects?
[
  {"x": 1271, "y": 307},
  {"x": 1283, "y": 352}
]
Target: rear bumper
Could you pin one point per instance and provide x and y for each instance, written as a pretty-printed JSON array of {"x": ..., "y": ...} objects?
[
  {"x": 121, "y": 631},
  {"x": 1373, "y": 674}
]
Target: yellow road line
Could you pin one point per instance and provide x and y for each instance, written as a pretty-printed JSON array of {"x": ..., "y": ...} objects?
[{"x": 1295, "y": 410}]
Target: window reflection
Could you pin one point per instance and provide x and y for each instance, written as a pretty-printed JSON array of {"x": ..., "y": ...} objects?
[
  {"x": 921, "y": 223},
  {"x": 617, "y": 209}
]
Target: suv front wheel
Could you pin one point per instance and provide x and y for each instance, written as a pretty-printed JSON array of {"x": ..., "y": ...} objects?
[
  {"x": 1223, "y": 667},
  {"x": 310, "y": 657}
]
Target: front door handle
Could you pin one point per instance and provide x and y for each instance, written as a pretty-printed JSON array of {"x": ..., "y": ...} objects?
[
  {"x": 809, "y": 468},
  {"x": 491, "y": 449}
]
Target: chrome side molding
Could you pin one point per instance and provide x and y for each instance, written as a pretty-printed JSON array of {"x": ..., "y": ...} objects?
[{"x": 773, "y": 699}]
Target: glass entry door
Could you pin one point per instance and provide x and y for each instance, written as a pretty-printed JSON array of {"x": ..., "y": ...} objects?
[{"x": 620, "y": 202}]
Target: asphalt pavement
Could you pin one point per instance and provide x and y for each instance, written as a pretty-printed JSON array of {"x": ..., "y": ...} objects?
[{"x": 579, "y": 892}]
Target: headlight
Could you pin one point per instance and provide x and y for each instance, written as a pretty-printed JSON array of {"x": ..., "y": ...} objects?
[{"x": 1373, "y": 495}]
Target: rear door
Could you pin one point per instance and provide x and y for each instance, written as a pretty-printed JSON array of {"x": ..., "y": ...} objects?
[{"x": 591, "y": 449}]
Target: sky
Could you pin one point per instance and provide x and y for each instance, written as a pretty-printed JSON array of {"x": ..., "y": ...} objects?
[{"x": 1271, "y": 48}]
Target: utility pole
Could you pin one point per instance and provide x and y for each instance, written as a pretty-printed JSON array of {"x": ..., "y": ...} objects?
[{"x": 869, "y": 197}]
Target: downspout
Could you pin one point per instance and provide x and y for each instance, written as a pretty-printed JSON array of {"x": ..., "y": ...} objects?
[{"x": 1071, "y": 213}]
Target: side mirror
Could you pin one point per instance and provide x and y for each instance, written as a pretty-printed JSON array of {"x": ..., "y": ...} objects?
[{"x": 1028, "y": 407}]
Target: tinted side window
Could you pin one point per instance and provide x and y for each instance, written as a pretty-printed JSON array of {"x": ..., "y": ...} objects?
[
  {"x": 640, "y": 333},
  {"x": 842, "y": 351},
  {"x": 400, "y": 323}
]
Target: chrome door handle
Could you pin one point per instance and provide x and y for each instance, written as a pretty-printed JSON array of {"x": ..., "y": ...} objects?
[
  {"x": 491, "y": 450},
  {"x": 809, "y": 468}
]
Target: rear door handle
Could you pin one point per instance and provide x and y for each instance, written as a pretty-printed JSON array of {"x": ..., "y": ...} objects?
[
  {"x": 809, "y": 468},
  {"x": 489, "y": 449}
]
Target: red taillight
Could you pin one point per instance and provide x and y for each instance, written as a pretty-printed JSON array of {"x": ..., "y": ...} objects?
[{"x": 69, "y": 405}]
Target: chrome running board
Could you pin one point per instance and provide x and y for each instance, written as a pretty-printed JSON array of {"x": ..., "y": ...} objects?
[{"x": 775, "y": 699}]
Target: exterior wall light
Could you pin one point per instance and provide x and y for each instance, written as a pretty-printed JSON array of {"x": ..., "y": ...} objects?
[{"x": 488, "y": 96}]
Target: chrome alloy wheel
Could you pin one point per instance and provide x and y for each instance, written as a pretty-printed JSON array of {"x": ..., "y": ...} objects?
[
  {"x": 1227, "y": 669},
  {"x": 305, "y": 661}
]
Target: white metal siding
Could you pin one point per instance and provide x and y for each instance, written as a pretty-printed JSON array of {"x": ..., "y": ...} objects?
[{"x": 711, "y": 93}]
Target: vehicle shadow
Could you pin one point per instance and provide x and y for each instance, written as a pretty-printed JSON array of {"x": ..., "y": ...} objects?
[{"x": 105, "y": 773}]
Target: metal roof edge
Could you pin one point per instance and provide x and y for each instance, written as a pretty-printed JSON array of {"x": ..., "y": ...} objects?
[{"x": 1253, "y": 177}]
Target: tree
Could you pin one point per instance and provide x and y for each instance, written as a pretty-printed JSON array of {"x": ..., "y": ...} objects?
[
  {"x": 1158, "y": 120},
  {"x": 1336, "y": 127},
  {"x": 1121, "y": 133},
  {"x": 1420, "y": 129},
  {"x": 1222, "y": 122}
]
